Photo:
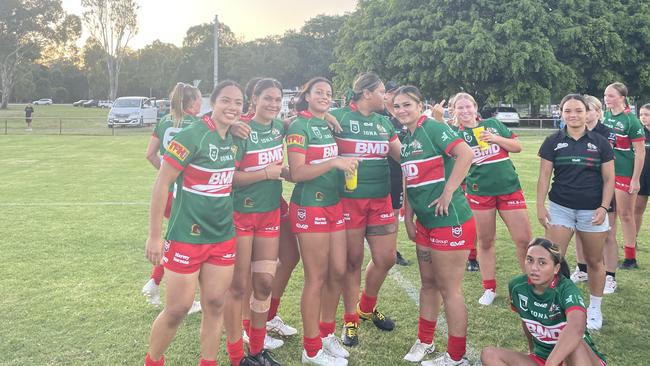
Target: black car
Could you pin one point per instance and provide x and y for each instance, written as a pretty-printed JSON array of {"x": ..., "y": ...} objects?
[
  {"x": 79, "y": 102},
  {"x": 91, "y": 103}
]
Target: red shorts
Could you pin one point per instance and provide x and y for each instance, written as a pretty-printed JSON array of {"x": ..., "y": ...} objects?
[
  {"x": 315, "y": 219},
  {"x": 510, "y": 201},
  {"x": 622, "y": 183},
  {"x": 284, "y": 209},
  {"x": 459, "y": 237},
  {"x": 168, "y": 206},
  {"x": 187, "y": 258},
  {"x": 540, "y": 361},
  {"x": 362, "y": 212},
  {"x": 265, "y": 224}
]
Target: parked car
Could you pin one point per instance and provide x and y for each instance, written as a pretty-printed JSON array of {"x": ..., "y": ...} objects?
[
  {"x": 132, "y": 111},
  {"x": 507, "y": 115},
  {"x": 44, "y": 101},
  {"x": 105, "y": 104},
  {"x": 79, "y": 103},
  {"x": 91, "y": 103}
]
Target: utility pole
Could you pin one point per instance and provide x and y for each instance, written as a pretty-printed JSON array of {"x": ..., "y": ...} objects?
[{"x": 216, "y": 50}]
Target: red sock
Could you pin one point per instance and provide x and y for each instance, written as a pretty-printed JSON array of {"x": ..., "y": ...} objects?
[
  {"x": 456, "y": 347},
  {"x": 246, "y": 324},
  {"x": 256, "y": 340},
  {"x": 273, "y": 310},
  {"x": 367, "y": 303},
  {"x": 149, "y": 362},
  {"x": 207, "y": 362},
  {"x": 630, "y": 253},
  {"x": 235, "y": 351},
  {"x": 312, "y": 345},
  {"x": 426, "y": 329},
  {"x": 490, "y": 285},
  {"x": 157, "y": 273},
  {"x": 326, "y": 329},
  {"x": 472, "y": 254},
  {"x": 351, "y": 318}
]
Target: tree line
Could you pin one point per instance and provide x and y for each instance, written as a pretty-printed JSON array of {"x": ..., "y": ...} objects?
[{"x": 497, "y": 50}]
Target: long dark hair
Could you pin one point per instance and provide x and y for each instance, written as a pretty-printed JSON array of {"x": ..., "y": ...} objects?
[
  {"x": 301, "y": 104},
  {"x": 222, "y": 85},
  {"x": 366, "y": 81},
  {"x": 556, "y": 255},
  {"x": 248, "y": 92}
]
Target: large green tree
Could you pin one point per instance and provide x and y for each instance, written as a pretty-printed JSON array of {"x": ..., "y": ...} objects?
[
  {"x": 26, "y": 26},
  {"x": 498, "y": 50}
]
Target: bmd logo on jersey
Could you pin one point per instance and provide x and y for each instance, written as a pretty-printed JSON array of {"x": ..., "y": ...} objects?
[
  {"x": 354, "y": 127},
  {"x": 214, "y": 152},
  {"x": 456, "y": 231}
]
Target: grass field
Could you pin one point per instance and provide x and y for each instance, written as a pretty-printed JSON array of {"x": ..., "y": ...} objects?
[{"x": 73, "y": 218}]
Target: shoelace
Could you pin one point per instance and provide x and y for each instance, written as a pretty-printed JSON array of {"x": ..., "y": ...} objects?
[
  {"x": 379, "y": 315},
  {"x": 351, "y": 330}
]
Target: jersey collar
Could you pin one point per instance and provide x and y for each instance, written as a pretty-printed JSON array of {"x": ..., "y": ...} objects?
[
  {"x": 209, "y": 122},
  {"x": 247, "y": 117},
  {"x": 353, "y": 107},
  {"x": 305, "y": 114},
  {"x": 421, "y": 120}
]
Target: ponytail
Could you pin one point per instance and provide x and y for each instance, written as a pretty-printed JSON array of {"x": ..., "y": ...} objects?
[
  {"x": 554, "y": 250},
  {"x": 180, "y": 98}
]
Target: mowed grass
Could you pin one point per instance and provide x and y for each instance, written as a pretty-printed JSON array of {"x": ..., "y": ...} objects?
[{"x": 73, "y": 218}]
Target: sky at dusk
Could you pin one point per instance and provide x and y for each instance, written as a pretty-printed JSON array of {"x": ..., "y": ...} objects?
[{"x": 168, "y": 20}]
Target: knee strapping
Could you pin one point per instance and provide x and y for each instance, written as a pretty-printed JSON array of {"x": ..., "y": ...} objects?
[
  {"x": 260, "y": 306},
  {"x": 266, "y": 267}
]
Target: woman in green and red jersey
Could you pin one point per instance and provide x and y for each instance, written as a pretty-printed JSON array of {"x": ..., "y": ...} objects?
[
  {"x": 434, "y": 162},
  {"x": 492, "y": 186},
  {"x": 200, "y": 243},
  {"x": 185, "y": 105},
  {"x": 629, "y": 152},
  {"x": 367, "y": 209},
  {"x": 316, "y": 216},
  {"x": 644, "y": 191},
  {"x": 256, "y": 200},
  {"x": 552, "y": 314}
]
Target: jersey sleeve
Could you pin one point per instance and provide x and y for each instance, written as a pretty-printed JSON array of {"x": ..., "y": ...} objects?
[
  {"x": 546, "y": 151},
  {"x": 240, "y": 146},
  {"x": 297, "y": 138},
  {"x": 181, "y": 150},
  {"x": 570, "y": 297},
  {"x": 442, "y": 136},
  {"x": 635, "y": 131},
  {"x": 503, "y": 130}
]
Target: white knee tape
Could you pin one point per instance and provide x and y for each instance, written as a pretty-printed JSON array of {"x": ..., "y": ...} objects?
[
  {"x": 260, "y": 306},
  {"x": 264, "y": 266}
]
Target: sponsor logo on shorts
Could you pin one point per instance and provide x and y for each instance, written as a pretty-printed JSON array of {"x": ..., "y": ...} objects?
[
  {"x": 196, "y": 230},
  {"x": 456, "y": 231},
  {"x": 320, "y": 221},
  {"x": 166, "y": 246},
  {"x": 177, "y": 149},
  {"x": 181, "y": 258},
  {"x": 346, "y": 216},
  {"x": 271, "y": 229},
  {"x": 386, "y": 216},
  {"x": 439, "y": 242},
  {"x": 302, "y": 226},
  {"x": 340, "y": 222},
  {"x": 514, "y": 203},
  {"x": 457, "y": 243},
  {"x": 302, "y": 214},
  {"x": 228, "y": 256}
]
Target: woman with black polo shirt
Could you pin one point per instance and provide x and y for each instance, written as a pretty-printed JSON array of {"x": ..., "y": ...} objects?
[
  {"x": 582, "y": 163},
  {"x": 644, "y": 192}
]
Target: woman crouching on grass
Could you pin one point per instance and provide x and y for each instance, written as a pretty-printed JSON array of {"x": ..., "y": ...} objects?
[
  {"x": 199, "y": 245},
  {"x": 316, "y": 216},
  {"x": 552, "y": 313},
  {"x": 434, "y": 162}
]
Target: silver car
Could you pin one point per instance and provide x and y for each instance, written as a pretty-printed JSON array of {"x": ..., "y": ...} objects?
[{"x": 507, "y": 115}]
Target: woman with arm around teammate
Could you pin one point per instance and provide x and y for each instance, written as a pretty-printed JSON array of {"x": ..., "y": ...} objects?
[
  {"x": 256, "y": 201},
  {"x": 185, "y": 105},
  {"x": 552, "y": 314},
  {"x": 367, "y": 208},
  {"x": 316, "y": 217},
  {"x": 630, "y": 157},
  {"x": 581, "y": 162},
  {"x": 200, "y": 242},
  {"x": 434, "y": 162},
  {"x": 492, "y": 186}
]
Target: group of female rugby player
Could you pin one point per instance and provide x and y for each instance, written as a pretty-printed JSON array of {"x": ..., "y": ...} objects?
[{"x": 230, "y": 230}]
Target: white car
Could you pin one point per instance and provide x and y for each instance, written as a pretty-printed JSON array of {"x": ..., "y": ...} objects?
[
  {"x": 44, "y": 101},
  {"x": 105, "y": 104},
  {"x": 132, "y": 111}
]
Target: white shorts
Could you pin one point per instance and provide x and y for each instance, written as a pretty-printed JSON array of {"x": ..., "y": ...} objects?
[{"x": 579, "y": 220}]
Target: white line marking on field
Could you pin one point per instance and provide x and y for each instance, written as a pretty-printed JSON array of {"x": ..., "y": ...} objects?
[
  {"x": 41, "y": 204},
  {"x": 413, "y": 292}
]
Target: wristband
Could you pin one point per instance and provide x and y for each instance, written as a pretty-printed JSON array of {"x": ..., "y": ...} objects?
[{"x": 603, "y": 207}]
